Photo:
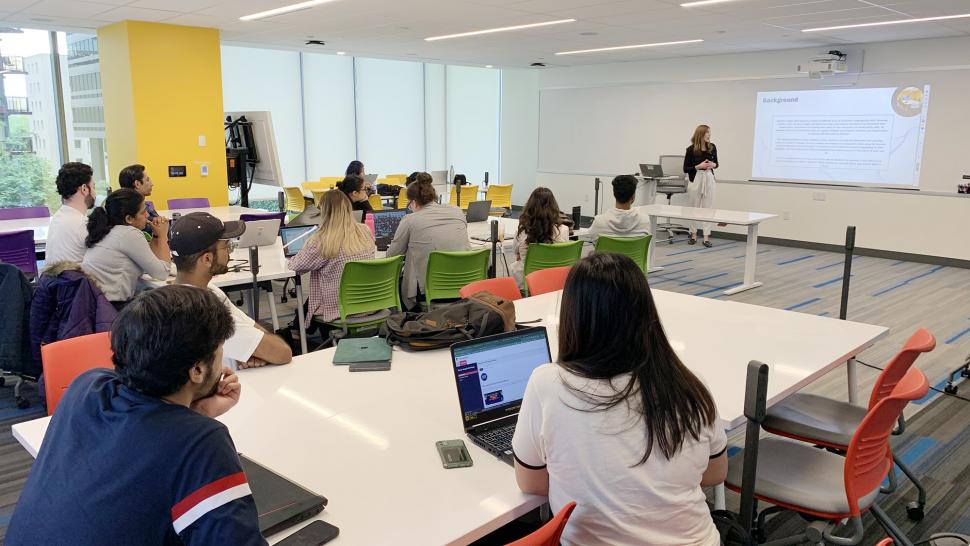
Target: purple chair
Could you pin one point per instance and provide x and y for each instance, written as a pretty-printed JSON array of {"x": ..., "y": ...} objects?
[
  {"x": 20, "y": 213},
  {"x": 17, "y": 249},
  {"x": 188, "y": 203},
  {"x": 281, "y": 216}
]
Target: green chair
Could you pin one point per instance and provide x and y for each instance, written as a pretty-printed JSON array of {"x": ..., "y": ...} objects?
[
  {"x": 448, "y": 272},
  {"x": 544, "y": 256},
  {"x": 368, "y": 289},
  {"x": 634, "y": 247}
]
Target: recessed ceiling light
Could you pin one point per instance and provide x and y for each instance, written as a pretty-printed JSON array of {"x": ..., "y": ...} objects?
[
  {"x": 588, "y": 33},
  {"x": 894, "y": 22},
  {"x": 704, "y": 3},
  {"x": 637, "y": 46},
  {"x": 341, "y": 53},
  {"x": 499, "y": 29},
  {"x": 285, "y": 9},
  {"x": 488, "y": 66}
]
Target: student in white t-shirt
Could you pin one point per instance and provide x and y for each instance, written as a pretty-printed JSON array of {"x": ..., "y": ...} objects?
[
  {"x": 201, "y": 247},
  {"x": 69, "y": 225},
  {"x": 619, "y": 424}
]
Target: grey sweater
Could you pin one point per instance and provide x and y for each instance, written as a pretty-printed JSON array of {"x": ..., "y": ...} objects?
[
  {"x": 434, "y": 227},
  {"x": 120, "y": 259}
]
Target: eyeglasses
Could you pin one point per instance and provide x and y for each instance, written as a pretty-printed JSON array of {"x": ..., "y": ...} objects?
[{"x": 231, "y": 246}]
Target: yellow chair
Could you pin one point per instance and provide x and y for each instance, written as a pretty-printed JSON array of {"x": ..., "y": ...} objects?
[
  {"x": 402, "y": 176},
  {"x": 314, "y": 185},
  {"x": 331, "y": 181},
  {"x": 318, "y": 195},
  {"x": 469, "y": 193},
  {"x": 402, "y": 198},
  {"x": 375, "y": 202},
  {"x": 501, "y": 198},
  {"x": 295, "y": 202}
]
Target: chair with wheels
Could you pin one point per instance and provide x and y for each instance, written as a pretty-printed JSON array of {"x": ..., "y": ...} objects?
[
  {"x": 448, "y": 272},
  {"x": 634, "y": 247},
  {"x": 369, "y": 289},
  {"x": 826, "y": 487},
  {"x": 670, "y": 187},
  {"x": 18, "y": 249},
  {"x": 831, "y": 423},
  {"x": 188, "y": 203},
  {"x": 375, "y": 202},
  {"x": 548, "y": 534},
  {"x": 65, "y": 360},
  {"x": 547, "y": 280},
  {"x": 503, "y": 287},
  {"x": 295, "y": 202},
  {"x": 501, "y": 197},
  {"x": 546, "y": 255},
  {"x": 330, "y": 182}
]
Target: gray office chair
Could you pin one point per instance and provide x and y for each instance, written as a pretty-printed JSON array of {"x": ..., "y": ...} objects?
[{"x": 672, "y": 165}]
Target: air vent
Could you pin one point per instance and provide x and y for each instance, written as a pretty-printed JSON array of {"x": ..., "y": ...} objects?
[
  {"x": 538, "y": 65},
  {"x": 315, "y": 42}
]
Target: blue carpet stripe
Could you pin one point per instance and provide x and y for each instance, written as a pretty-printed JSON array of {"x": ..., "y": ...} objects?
[
  {"x": 824, "y": 314},
  {"x": 912, "y": 454},
  {"x": 833, "y": 264},
  {"x": 676, "y": 263},
  {"x": 762, "y": 251},
  {"x": 802, "y": 304},
  {"x": 717, "y": 288},
  {"x": 932, "y": 393},
  {"x": 698, "y": 281},
  {"x": 828, "y": 282},
  {"x": 703, "y": 249},
  {"x": 32, "y": 412},
  {"x": 795, "y": 260},
  {"x": 907, "y": 281},
  {"x": 958, "y": 335},
  {"x": 732, "y": 451}
]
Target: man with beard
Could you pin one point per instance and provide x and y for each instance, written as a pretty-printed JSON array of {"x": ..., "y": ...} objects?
[
  {"x": 134, "y": 455},
  {"x": 201, "y": 246},
  {"x": 135, "y": 177},
  {"x": 69, "y": 225}
]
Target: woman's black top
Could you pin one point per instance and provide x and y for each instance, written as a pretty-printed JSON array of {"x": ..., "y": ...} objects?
[
  {"x": 692, "y": 159},
  {"x": 362, "y": 205}
]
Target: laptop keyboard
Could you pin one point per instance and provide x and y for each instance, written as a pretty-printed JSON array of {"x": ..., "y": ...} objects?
[{"x": 500, "y": 438}]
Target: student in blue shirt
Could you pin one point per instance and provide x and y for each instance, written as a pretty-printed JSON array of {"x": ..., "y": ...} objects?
[{"x": 134, "y": 455}]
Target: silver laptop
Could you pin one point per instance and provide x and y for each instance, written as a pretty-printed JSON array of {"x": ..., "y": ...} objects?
[
  {"x": 259, "y": 233},
  {"x": 478, "y": 211},
  {"x": 654, "y": 171},
  {"x": 358, "y": 215},
  {"x": 370, "y": 178}
]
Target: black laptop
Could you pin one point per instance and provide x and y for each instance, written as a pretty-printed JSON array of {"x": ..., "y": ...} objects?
[
  {"x": 280, "y": 503},
  {"x": 385, "y": 226},
  {"x": 478, "y": 211},
  {"x": 491, "y": 374}
]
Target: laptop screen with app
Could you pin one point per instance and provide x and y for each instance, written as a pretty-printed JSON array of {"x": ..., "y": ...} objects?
[
  {"x": 492, "y": 372},
  {"x": 294, "y": 237},
  {"x": 386, "y": 222}
]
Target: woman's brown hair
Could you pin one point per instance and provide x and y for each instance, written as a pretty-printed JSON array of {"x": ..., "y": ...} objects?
[
  {"x": 540, "y": 217},
  {"x": 698, "y": 139},
  {"x": 421, "y": 190}
]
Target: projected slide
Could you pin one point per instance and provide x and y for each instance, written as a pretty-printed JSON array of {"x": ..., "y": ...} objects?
[{"x": 844, "y": 136}]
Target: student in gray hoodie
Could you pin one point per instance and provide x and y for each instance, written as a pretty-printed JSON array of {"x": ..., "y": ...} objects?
[{"x": 622, "y": 220}]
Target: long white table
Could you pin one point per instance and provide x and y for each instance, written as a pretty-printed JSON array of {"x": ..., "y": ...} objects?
[
  {"x": 366, "y": 440},
  {"x": 720, "y": 216}
]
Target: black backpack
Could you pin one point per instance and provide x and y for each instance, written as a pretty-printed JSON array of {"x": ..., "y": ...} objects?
[{"x": 482, "y": 314}]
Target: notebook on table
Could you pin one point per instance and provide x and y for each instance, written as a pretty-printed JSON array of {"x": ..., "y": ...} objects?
[{"x": 369, "y": 349}]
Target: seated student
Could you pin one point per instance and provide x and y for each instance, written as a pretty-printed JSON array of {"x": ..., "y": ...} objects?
[
  {"x": 539, "y": 223},
  {"x": 134, "y": 177},
  {"x": 134, "y": 455},
  {"x": 353, "y": 187},
  {"x": 432, "y": 226},
  {"x": 621, "y": 220},
  {"x": 619, "y": 424},
  {"x": 68, "y": 226},
  {"x": 118, "y": 254},
  {"x": 339, "y": 240},
  {"x": 200, "y": 249},
  {"x": 356, "y": 168}
]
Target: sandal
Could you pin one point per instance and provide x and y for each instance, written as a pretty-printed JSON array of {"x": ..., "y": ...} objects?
[
  {"x": 708, "y": 244},
  {"x": 691, "y": 240}
]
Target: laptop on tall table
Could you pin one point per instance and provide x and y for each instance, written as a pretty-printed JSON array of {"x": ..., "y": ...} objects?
[
  {"x": 294, "y": 237},
  {"x": 655, "y": 171},
  {"x": 478, "y": 211},
  {"x": 259, "y": 233},
  {"x": 491, "y": 374},
  {"x": 280, "y": 503},
  {"x": 385, "y": 226}
]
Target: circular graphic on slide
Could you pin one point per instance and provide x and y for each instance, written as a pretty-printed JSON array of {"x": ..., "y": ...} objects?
[{"x": 908, "y": 101}]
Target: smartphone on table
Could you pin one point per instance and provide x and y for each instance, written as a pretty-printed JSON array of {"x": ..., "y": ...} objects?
[
  {"x": 317, "y": 533},
  {"x": 453, "y": 453}
]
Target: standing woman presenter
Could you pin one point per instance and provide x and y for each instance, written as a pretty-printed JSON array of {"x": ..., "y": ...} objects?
[{"x": 700, "y": 160}]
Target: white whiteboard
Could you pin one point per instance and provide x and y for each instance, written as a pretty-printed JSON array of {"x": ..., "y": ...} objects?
[{"x": 600, "y": 130}]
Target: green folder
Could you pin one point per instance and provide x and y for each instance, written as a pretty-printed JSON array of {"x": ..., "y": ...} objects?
[{"x": 368, "y": 349}]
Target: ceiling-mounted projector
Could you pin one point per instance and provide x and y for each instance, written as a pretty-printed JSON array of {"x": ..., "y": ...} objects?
[{"x": 830, "y": 63}]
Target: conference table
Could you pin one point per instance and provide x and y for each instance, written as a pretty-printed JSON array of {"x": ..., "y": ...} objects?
[
  {"x": 367, "y": 440},
  {"x": 751, "y": 220}
]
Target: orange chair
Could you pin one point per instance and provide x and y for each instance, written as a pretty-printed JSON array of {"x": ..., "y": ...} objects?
[
  {"x": 65, "y": 360},
  {"x": 548, "y": 534},
  {"x": 546, "y": 280},
  {"x": 503, "y": 287}
]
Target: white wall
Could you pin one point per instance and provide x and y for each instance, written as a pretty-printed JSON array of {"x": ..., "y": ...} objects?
[
  {"x": 436, "y": 152},
  {"x": 390, "y": 115},
  {"x": 328, "y": 106},
  {"x": 921, "y": 224},
  {"x": 274, "y": 88},
  {"x": 520, "y": 131},
  {"x": 472, "y": 121}
]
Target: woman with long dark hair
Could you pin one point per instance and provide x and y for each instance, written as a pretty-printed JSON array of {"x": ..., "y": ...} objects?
[
  {"x": 619, "y": 424},
  {"x": 700, "y": 160},
  {"x": 354, "y": 188},
  {"x": 118, "y": 254},
  {"x": 538, "y": 223}
]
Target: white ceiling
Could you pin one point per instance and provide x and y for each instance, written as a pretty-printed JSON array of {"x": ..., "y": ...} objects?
[{"x": 397, "y": 28}]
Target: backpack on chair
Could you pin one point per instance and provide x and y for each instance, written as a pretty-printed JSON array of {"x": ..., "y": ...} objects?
[{"x": 481, "y": 314}]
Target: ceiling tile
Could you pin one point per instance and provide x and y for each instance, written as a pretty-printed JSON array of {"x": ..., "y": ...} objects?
[{"x": 67, "y": 8}]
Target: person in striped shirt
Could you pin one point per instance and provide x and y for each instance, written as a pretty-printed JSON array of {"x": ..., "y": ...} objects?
[{"x": 134, "y": 455}]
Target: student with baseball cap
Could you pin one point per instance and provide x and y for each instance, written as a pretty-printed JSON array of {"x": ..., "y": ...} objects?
[{"x": 201, "y": 245}]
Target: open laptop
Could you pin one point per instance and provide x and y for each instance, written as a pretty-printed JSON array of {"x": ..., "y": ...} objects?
[
  {"x": 478, "y": 211},
  {"x": 358, "y": 216},
  {"x": 491, "y": 374},
  {"x": 654, "y": 171},
  {"x": 385, "y": 226},
  {"x": 280, "y": 503},
  {"x": 259, "y": 233},
  {"x": 294, "y": 237},
  {"x": 370, "y": 178}
]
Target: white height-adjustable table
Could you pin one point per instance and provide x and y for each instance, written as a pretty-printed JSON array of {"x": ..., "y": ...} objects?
[
  {"x": 366, "y": 440},
  {"x": 733, "y": 217}
]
